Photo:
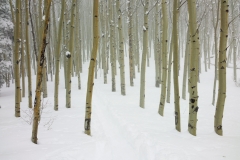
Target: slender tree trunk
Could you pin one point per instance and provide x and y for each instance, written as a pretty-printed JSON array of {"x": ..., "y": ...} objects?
[
  {"x": 194, "y": 70},
  {"x": 37, "y": 101},
  {"x": 17, "y": 42},
  {"x": 164, "y": 58},
  {"x": 57, "y": 56},
  {"x": 169, "y": 72},
  {"x": 156, "y": 47},
  {"x": 87, "y": 122},
  {"x": 186, "y": 68},
  {"x": 216, "y": 53},
  {"x": 222, "y": 67},
  {"x": 130, "y": 42},
  {"x": 22, "y": 51},
  {"x": 70, "y": 56},
  {"x": 121, "y": 49},
  {"x": 175, "y": 65},
  {"x": 144, "y": 55},
  {"x": 28, "y": 56},
  {"x": 112, "y": 47}
]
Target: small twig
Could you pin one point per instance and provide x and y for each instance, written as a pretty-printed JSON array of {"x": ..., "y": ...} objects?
[{"x": 233, "y": 19}]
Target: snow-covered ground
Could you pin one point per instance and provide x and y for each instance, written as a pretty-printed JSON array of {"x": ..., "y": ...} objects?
[{"x": 121, "y": 130}]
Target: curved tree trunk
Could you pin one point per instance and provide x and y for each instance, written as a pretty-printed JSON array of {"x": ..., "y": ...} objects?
[
  {"x": 87, "y": 122},
  {"x": 37, "y": 101}
]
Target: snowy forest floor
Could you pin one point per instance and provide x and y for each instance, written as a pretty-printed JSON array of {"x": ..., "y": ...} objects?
[{"x": 121, "y": 130}]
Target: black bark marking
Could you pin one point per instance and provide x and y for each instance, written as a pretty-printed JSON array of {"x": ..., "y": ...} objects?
[
  {"x": 68, "y": 56},
  {"x": 176, "y": 118},
  {"x": 192, "y": 100},
  {"x": 219, "y": 127},
  {"x": 222, "y": 67},
  {"x": 87, "y": 124},
  {"x": 196, "y": 109},
  {"x": 190, "y": 126}
]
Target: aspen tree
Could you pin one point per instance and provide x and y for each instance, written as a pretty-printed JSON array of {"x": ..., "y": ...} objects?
[
  {"x": 22, "y": 68},
  {"x": 175, "y": 65},
  {"x": 186, "y": 68},
  {"x": 78, "y": 46},
  {"x": 137, "y": 42},
  {"x": 12, "y": 12},
  {"x": 194, "y": 65},
  {"x": 28, "y": 55},
  {"x": 87, "y": 121},
  {"x": 130, "y": 43},
  {"x": 37, "y": 101},
  {"x": 57, "y": 56},
  {"x": 70, "y": 55},
  {"x": 17, "y": 41},
  {"x": 234, "y": 45},
  {"x": 156, "y": 46},
  {"x": 121, "y": 49},
  {"x": 112, "y": 47},
  {"x": 222, "y": 67},
  {"x": 169, "y": 71},
  {"x": 215, "y": 26},
  {"x": 104, "y": 39},
  {"x": 144, "y": 54},
  {"x": 164, "y": 57}
]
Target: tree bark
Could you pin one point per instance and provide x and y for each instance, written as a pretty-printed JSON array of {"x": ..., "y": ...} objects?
[
  {"x": 222, "y": 67},
  {"x": 87, "y": 123},
  {"x": 175, "y": 65},
  {"x": 28, "y": 56},
  {"x": 37, "y": 101},
  {"x": 194, "y": 68},
  {"x": 144, "y": 55},
  {"x": 17, "y": 42},
  {"x": 164, "y": 58},
  {"x": 70, "y": 56},
  {"x": 121, "y": 49}
]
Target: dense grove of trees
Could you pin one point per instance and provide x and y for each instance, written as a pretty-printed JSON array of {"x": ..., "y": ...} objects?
[{"x": 50, "y": 35}]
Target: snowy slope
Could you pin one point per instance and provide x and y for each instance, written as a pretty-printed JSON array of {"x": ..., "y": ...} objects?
[{"x": 121, "y": 130}]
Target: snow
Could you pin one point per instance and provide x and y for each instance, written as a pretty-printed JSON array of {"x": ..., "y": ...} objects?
[
  {"x": 121, "y": 130},
  {"x": 144, "y": 28},
  {"x": 68, "y": 53},
  {"x": 43, "y": 18}
]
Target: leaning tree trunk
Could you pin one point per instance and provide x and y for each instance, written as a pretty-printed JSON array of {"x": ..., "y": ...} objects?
[
  {"x": 194, "y": 64},
  {"x": 87, "y": 123},
  {"x": 37, "y": 101},
  {"x": 222, "y": 67}
]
